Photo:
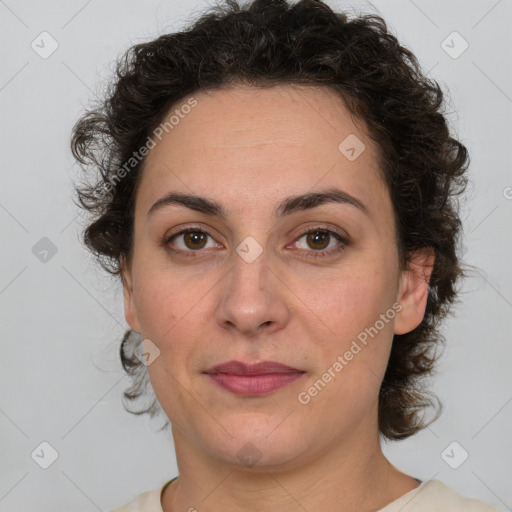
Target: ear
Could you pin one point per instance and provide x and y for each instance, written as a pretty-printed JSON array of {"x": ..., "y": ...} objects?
[
  {"x": 413, "y": 290},
  {"x": 130, "y": 311}
]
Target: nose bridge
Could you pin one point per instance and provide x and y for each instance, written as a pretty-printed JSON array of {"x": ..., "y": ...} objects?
[
  {"x": 250, "y": 269},
  {"x": 250, "y": 296}
]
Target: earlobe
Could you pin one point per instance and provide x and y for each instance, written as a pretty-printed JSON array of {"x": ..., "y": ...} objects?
[
  {"x": 413, "y": 290},
  {"x": 130, "y": 311}
]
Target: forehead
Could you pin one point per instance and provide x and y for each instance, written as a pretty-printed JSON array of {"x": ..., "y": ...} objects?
[{"x": 245, "y": 144}]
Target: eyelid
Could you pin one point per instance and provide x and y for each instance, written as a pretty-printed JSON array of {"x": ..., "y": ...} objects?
[
  {"x": 343, "y": 242},
  {"x": 191, "y": 228},
  {"x": 194, "y": 227},
  {"x": 325, "y": 228}
]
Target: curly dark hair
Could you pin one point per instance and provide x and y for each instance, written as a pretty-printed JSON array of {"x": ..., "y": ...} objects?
[{"x": 266, "y": 43}]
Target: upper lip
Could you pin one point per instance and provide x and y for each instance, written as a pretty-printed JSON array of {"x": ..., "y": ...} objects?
[{"x": 260, "y": 368}]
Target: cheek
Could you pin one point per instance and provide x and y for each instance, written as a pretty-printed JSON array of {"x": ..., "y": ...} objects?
[
  {"x": 169, "y": 307},
  {"x": 359, "y": 295},
  {"x": 360, "y": 315},
  {"x": 156, "y": 308},
  {"x": 345, "y": 385},
  {"x": 165, "y": 298}
]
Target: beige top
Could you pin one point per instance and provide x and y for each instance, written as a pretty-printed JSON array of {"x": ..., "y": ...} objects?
[{"x": 430, "y": 496}]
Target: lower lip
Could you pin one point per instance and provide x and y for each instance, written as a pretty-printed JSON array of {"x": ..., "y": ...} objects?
[{"x": 254, "y": 384}]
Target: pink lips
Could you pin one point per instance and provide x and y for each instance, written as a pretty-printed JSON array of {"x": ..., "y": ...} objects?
[{"x": 253, "y": 378}]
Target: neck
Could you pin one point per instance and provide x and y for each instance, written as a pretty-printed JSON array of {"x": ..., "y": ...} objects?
[{"x": 351, "y": 476}]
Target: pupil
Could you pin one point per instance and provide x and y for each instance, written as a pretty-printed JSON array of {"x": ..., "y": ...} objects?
[
  {"x": 314, "y": 237},
  {"x": 195, "y": 237}
]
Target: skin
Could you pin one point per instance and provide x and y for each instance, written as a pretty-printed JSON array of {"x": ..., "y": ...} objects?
[{"x": 248, "y": 149}]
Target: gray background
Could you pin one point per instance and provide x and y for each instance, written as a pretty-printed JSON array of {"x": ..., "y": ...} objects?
[{"x": 62, "y": 319}]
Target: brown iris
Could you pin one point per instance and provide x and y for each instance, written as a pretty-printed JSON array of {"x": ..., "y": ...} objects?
[
  {"x": 195, "y": 237},
  {"x": 315, "y": 238}
]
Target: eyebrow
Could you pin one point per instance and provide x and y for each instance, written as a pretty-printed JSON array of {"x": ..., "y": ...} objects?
[{"x": 286, "y": 207}]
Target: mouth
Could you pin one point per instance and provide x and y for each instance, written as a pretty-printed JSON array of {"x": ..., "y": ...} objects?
[{"x": 253, "y": 379}]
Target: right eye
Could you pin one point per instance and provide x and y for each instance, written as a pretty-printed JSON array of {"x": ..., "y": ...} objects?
[{"x": 189, "y": 241}]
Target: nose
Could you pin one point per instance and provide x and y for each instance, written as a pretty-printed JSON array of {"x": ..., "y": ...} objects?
[{"x": 253, "y": 298}]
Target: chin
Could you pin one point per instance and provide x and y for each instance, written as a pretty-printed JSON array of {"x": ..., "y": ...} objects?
[{"x": 260, "y": 449}]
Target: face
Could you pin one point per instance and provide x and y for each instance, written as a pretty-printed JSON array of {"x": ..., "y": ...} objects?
[{"x": 314, "y": 285}]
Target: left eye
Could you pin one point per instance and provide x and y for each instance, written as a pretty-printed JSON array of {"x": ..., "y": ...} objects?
[{"x": 320, "y": 239}]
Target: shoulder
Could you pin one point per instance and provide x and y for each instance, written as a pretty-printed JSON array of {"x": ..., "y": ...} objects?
[
  {"x": 434, "y": 496},
  {"x": 146, "y": 502}
]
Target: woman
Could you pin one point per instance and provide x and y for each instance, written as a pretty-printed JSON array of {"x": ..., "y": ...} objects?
[{"x": 277, "y": 193}]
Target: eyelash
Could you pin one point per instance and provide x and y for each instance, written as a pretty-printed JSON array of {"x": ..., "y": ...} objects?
[{"x": 312, "y": 254}]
